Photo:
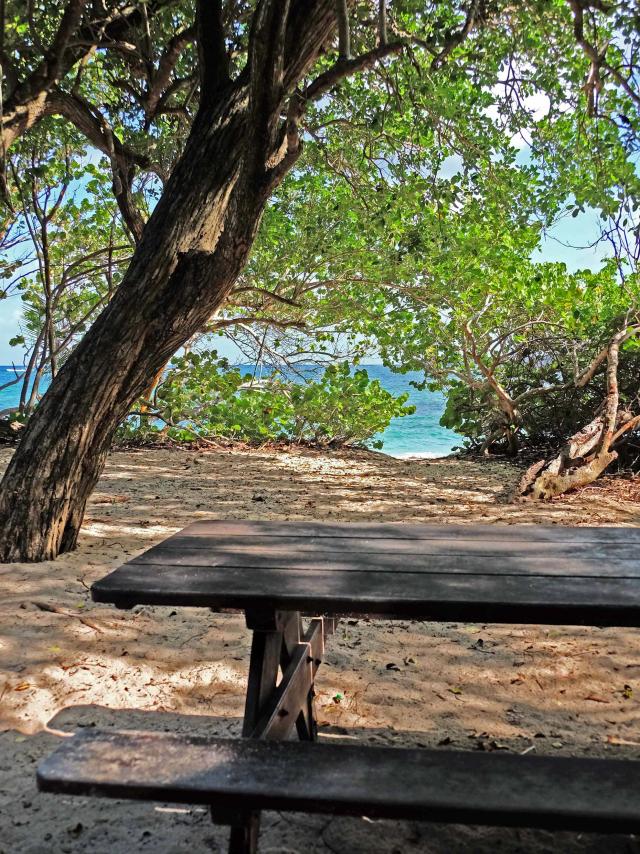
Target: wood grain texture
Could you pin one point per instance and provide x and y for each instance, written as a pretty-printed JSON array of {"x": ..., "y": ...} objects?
[
  {"x": 513, "y": 574},
  {"x": 601, "y": 795},
  {"x": 473, "y": 598},
  {"x": 223, "y": 528}
]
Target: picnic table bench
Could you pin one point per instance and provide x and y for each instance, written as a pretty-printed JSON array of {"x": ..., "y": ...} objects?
[{"x": 276, "y": 572}]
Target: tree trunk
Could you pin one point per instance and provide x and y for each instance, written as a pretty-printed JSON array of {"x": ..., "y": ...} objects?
[
  {"x": 580, "y": 462},
  {"x": 169, "y": 292},
  {"x": 589, "y": 452},
  {"x": 191, "y": 252}
]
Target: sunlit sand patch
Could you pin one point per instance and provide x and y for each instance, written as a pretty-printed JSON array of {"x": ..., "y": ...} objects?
[
  {"x": 195, "y": 662},
  {"x": 106, "y": 529}
]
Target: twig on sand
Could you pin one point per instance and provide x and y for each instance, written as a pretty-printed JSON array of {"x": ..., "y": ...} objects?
[{"x": 44, "y": 606}]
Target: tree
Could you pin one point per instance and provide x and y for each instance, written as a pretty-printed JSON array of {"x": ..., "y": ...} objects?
[
  {"x": 588, "y": 453},
  {"x": 212, "y": 133},
  {"x": 243, "y": 140},
  {"x": 71, "y": 253}
]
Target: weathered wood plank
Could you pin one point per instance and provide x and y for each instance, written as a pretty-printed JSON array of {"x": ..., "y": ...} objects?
[
  {"x": 478, "y": 597},
  {"x": 601, "y": 795},
  {"x": 594, "y": 561},
  {"x": 277, "y": 546},
  {"x": 223, "y": 528},
  {"x": 263, "y": 674},
  {"x": 290, "y": 697}
]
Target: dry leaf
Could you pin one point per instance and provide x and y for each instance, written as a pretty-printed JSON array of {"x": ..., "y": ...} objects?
[{"x": 612, "y": 739}]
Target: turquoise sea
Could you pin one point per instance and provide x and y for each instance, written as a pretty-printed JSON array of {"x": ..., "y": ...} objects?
[{"x": 419, "y": 434}]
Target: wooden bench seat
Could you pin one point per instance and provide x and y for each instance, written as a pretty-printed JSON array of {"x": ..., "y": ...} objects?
[{"x": 556, "y": 793}]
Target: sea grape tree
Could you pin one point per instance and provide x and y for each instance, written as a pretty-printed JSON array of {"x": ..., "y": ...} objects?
[{"x": 202, "y": 113}]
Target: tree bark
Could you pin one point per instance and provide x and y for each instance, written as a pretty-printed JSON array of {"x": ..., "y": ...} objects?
[
  {"x": 191, "y": 252},
  {"x": 589, "y": 452}
]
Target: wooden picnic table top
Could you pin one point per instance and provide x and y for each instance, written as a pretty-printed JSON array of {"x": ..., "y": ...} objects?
[{"x": 477, "y": 573}]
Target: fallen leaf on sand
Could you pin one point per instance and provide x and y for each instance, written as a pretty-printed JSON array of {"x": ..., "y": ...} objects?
[{"x": 613, "y": 739}]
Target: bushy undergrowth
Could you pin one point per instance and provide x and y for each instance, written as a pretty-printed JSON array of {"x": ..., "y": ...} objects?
[
  {"x": 547, "y": 420},
  {"x": 202, "y": 396}
]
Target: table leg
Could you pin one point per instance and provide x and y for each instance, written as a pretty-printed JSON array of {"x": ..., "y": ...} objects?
[
  {"x": 244, "y": 837},
  {"x": 263, "y": 674},
  {"x": 306, "y": 725},
  {"x": 278, "y": 643}
]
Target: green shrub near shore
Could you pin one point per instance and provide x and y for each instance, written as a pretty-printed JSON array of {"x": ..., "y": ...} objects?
[{"x": 202, "y": 397}]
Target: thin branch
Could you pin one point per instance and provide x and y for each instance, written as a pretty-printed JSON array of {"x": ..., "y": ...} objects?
[
  {"x": 222, "y": 323},
  {"x": 629, "y": 425},
  {"x": 268, "y": 293}
]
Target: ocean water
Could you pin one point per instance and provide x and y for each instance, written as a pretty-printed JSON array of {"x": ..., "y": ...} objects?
[
  {"x": 417, "y": 435},
  {"x": 420, "y": 434}
]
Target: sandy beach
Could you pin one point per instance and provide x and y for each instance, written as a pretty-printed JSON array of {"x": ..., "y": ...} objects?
[{"x": 66, "y": 662}]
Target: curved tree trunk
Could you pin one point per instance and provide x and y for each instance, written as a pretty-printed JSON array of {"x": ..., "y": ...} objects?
[
  {"x": 590, "y": 451},
  {"x": 580, "y": 462},
  {"x": 192, "y": 250}
]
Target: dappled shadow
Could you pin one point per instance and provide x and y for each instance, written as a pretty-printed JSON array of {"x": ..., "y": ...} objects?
[
  {"x": 35, "y": 822},
  {"x": 560, "y": 690}
]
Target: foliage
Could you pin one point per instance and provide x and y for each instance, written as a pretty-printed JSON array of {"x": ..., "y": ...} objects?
[
  {"x": 514, "y": 361},
  {"x": 66, "y": 251},
  {"x": 408, "y": 227},
  {"x": 201, "y": 396}
]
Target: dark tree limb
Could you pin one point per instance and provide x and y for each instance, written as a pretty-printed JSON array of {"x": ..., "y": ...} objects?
[
  {"x": 382, "y": 22},
  {"x": 266, "y": 65},
  {"x": 123, "y": 159},
  {"x": 160, "y": 81},
  {"x": 597, "y": 56},
  {"x": 455, "y": 38},
  {"x": 212, "y": 51},
  {"x": 76, "y": 37},
  {"x": 332, "y": 76},
  {"x": 344, "y": 31},
  {"x": 26, "y": 102}
]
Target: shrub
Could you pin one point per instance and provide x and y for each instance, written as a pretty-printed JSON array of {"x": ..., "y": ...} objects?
[{"x": 202, "y": 396}]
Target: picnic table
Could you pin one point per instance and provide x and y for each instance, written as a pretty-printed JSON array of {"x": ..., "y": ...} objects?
[{"x": 278, "y": 572}]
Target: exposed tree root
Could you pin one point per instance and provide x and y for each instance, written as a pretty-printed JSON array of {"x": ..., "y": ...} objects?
[{"x": 590, "y": 451}]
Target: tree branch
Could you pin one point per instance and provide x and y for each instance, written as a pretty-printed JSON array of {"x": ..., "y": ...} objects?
[
  {"x": 223, "y": 322},
  {"x": 266, "y": 63},
  {"x": 593, "y": 86},
  {"x": 332, "y": 76},
  {"x": 455, "y": 38},
  {"x": 27, "y": 103},
  {"x": 382, "y": 22},
  {"x": 94, "y": 126},
  {"x": 168, "y": 60},
  {"x": 212, "y": 51},
  {"x": 344, "y": 32}
]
